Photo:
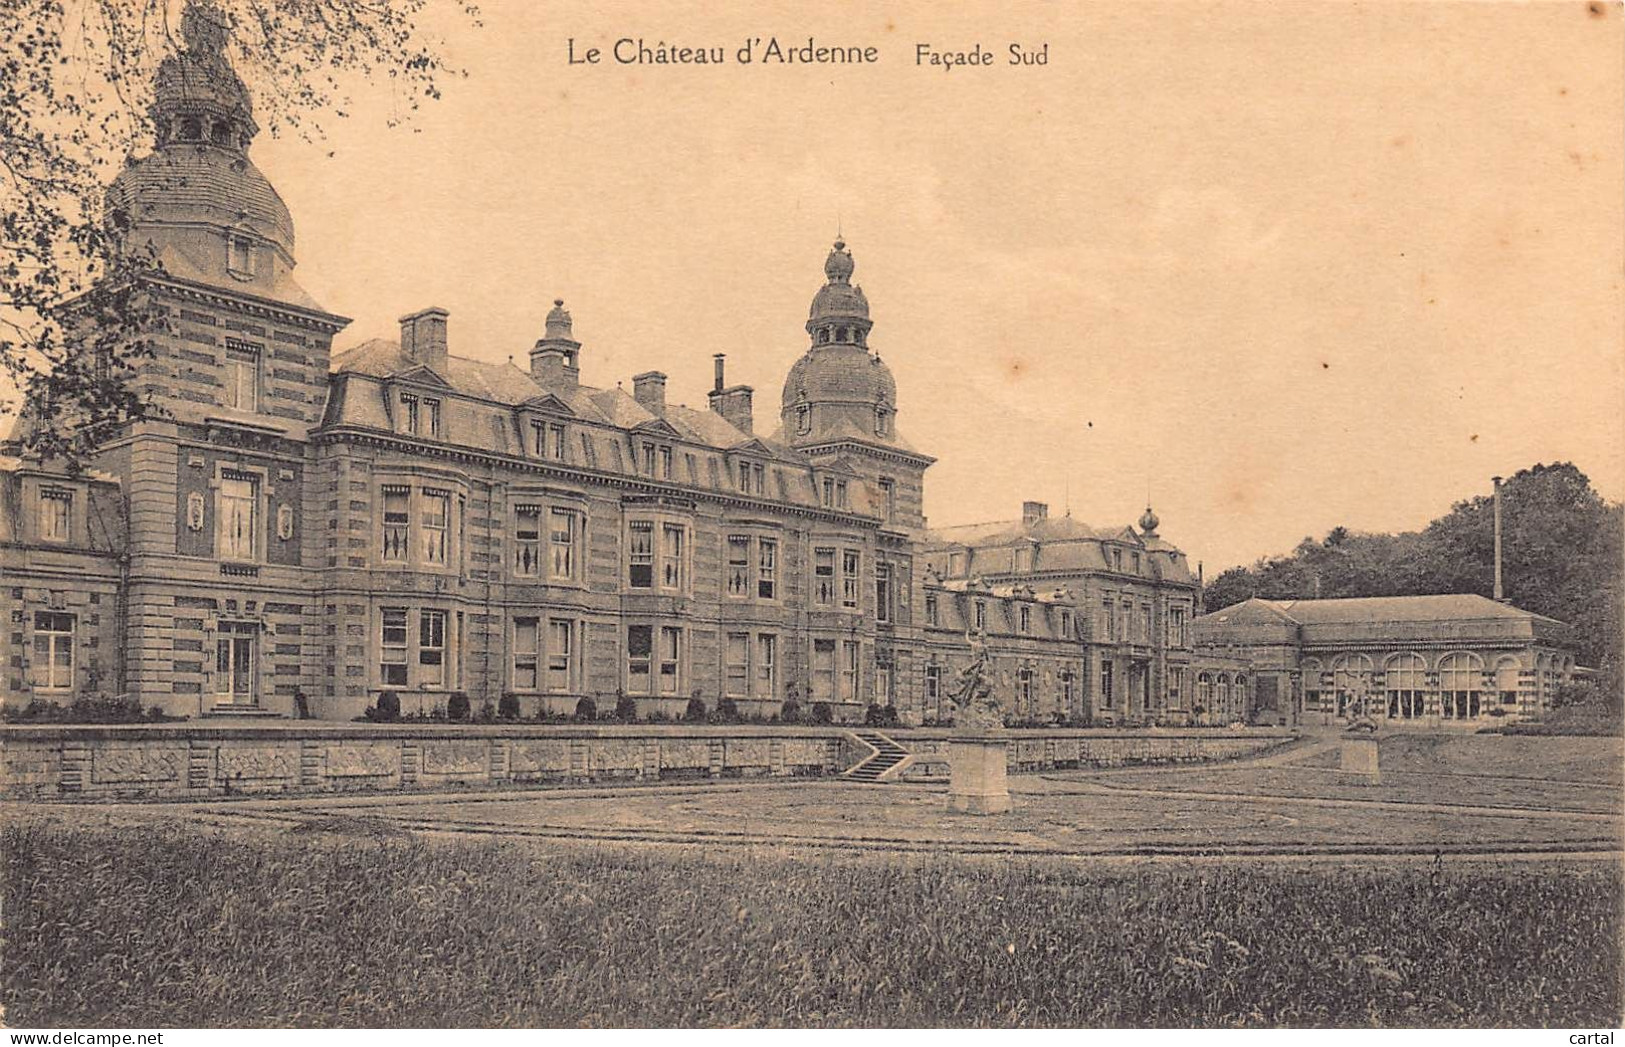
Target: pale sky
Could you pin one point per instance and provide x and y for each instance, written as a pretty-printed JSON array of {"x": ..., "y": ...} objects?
[{"x": 1287, "y": 266}]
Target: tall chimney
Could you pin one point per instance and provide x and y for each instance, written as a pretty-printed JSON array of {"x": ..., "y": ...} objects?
[
  {"x": 734, "y": 403},
  {"x": 1032, "y": 512},
  {"x": 649, "y": 389},
  {"x": 555, "y": 360},
  {"x": 423, "y": 337},
  {"x": 1500, "y": 594}
]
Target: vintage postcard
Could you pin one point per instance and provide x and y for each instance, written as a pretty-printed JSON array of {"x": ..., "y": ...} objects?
[{"x": 889, "y": 516}]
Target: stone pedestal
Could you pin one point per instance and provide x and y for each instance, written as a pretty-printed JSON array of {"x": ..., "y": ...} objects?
[
  {"x": 976, "y": 782},
  {"x": 1358, "y": 759}
]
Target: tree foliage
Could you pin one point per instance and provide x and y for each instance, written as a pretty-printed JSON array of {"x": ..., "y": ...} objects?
[
  {"x": 75, "y": 84},
  {"x": 1562, "y": 551}
]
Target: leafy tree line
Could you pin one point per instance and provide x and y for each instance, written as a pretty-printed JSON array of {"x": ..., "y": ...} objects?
[{"x": 1562, "y": 555}]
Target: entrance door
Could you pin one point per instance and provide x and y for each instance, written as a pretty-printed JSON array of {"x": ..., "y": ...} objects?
[{"x": 234, "y": 663}]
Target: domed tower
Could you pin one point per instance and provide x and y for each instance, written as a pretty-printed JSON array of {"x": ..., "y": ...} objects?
[
  {"x": 246, "y": 340},
  {"x": 840, "y": 399},
  {"x": 197, "y": 198}
]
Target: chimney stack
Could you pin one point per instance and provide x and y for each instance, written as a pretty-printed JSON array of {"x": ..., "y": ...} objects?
[
  {"x": 732, "y": 403},
  {"x": 1500, "y": 594},
  {"x": 1032, "y": 512},
  {"x": 649, "y": 389},
  {"x": 423, "y": 337}
]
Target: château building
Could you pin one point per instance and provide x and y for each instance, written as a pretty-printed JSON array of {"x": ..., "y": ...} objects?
[{"x": 399, "y": 516}]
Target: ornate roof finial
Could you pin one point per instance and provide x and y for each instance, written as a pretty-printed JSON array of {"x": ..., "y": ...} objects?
[{"x": 1149, "y": 521}]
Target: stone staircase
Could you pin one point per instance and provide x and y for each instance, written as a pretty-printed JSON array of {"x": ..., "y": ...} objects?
[{"x": 888, "y": 756}]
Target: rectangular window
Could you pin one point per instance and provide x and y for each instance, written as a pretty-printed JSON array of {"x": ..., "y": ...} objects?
[
  {"x": 823, "y": 671},
  {"x": 888, "y": 497},
  {"x": 436, "y": 519},
  {"x": 743, "y": 476},
  {"x": 671, "y": 645},
  {"x": 1108, "y": 630},
  {"x": 1144, "y": 635},
  {"x": 824, "y": 576},
  {"x": 840, "y": 494},
  {"x": 849, "y": 671},
  {"x": 1176, "y": 682},
  {"x": 761, "y": 478},
  {"x": 55, "y": 514},
  {"x": 1024, "y": 619},
  {"x": 1106, "y": 696},
  {"x": 639, "y": 655},
  {"x": 931, "y": 613},
  {"x": 767, "y": 666},
  {"x": 538, "y": 439},
  {"x": 1024, "y": 691},
  {"x": 641, "y": 554},
  {"x": 1066, "y": 624},
  {"x": 242, "y": 378},
  {"x": 933, "y": 682},
  {"x": 981, "y": 615},
  {"x": 52, "y": 666},
  {"x": 527, "y": 540},
  {"x": 648, "y": 459},
  {"x": 1125, "y": 621},
  {"x": 555, "y": 447},
  {"x": 736, "y": 665},
  {"x": 431, "y": 411},
  {"x": 409, "y": 414},
  {"x": 671, "y": 556},
  {"x": 1069, "y": 691},
  {"x": 665, "y": 463},
  {"x": 738, "y": 565},
  {"x": 829, "y": 492},
  {"x": 397, "y": 524},
  {"x": 560, "y": 653},
  {"x": 239, "y": 498},
  {"x": 432, "y": 648},
  {"x": 1176, "y": 627},
  {"x": 526, "y": 648},
  {"x": 392, "y": 649},
  {"x": 562, "y": 541},
  {"x": 882, "y": 592},
  {"x": 849, "y": 577},
  {"x": 767, "y": 565}
]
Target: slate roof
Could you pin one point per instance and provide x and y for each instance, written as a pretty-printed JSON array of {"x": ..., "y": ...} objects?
[{"x": 1362, "y": 610}]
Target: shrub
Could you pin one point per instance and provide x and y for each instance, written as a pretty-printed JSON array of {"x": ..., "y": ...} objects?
[
  {"x": 626, "y": 707},
  {"x": 457, "y": 707},
  {"x": 586, "y": 710},
  {"x": 822, "y": 713},
  {"x": 790, "y": 711},
  {"x": 389, "y": 706},
  {"x": 488, "y": 712},
  {"x": 508, "y": 706},
  {"x": 727, "y": 711},
  {"x": 91, "y": 708},
  {"x": 695, "y": 713},
  {"x": 880, "y": 716}
]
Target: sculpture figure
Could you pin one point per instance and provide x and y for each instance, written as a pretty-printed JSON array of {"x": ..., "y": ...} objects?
[{"x": 975, "y": 706}]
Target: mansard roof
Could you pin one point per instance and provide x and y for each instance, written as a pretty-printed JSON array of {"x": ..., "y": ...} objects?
[{"x": 1441, "y": 607}]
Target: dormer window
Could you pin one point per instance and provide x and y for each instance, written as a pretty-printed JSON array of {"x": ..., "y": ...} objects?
[
  {"x": 220, "y": 133},
  {"x": 431, "y": 415},
  {"x": 840, "y": 334},
  {"x": 191, "y": 129},
  {"x": 240, "y": 257},
  {"x": 411, "y": 414},
  {"x": 882, "y": 422},
  {"x": 803, "y": 419},
  {"x": 823, "y": 336}
]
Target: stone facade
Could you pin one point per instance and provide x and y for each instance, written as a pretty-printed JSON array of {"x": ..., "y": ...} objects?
[{"x": 1428, "y": 660}]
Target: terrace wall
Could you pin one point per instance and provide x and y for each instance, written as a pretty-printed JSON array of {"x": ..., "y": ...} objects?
[{"x": 190, "y": 761}]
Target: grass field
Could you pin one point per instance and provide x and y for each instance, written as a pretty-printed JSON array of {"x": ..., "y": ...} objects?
[{"x": 183, "y": 926}]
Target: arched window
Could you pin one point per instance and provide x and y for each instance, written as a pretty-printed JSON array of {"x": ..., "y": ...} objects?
[
  {"x": 1312, "y": 694},
  {"x": 191, "y": 129},
  {"x": 1351, "y": 679},
  {"x": 1460, "y": 682},
  {"x": 1204, "y": 693},
  {"x": 1405, "y": 680},
  {"x": 823, "y": 336},
  {"x": 220, "y": 133},
  {"x": 1240, "y": 696},
  {"x": 1506, "y": 680},
  {"x": 1221, "y": 695}
]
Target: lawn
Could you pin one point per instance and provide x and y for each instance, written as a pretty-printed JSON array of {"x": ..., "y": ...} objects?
[
  {"x": 1597, "y": 760},
  {"x": 174, "y": 925}
]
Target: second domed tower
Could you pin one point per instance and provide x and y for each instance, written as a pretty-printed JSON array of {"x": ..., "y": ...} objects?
[{"x": 839, "y": 388}]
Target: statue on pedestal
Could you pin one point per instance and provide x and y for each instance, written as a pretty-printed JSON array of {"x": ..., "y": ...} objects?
[{"x": 975, "y": 707}]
